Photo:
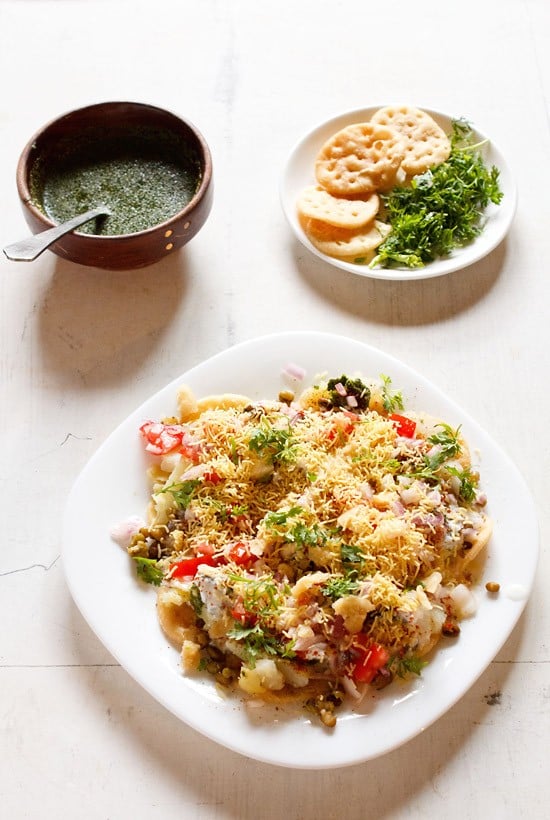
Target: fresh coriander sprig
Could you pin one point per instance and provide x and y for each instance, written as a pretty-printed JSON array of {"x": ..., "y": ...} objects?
[
  {"x": 276, "y": 444},
  {"x": 148, "y": 570},
  {"x": 258, "y": 642},
  {"x": 338, "y": 586},
  {"x": 182, "y": 492},
  {"x": 392, "y": 400},
  {"x": 468, "y": 483},
  {"x": 407, "y": 665},
  {"x": 442, "y": 209},
  {"x": 446, "y": 447}
]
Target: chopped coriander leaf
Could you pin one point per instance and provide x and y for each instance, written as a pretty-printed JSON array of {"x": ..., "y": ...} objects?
[
  {"x": 304, "y": 536},
  {"x": 182, "y": 492},
  {"x": 225, "y": 513},
  {"x": 351, "y": 554},
  {"x": 393, "y": 466},
  {"x": 261, "y": 595},
  {"x": 342, "y": 389},
  {"x": 468, "y": 483},
  {"x": 447, "y": 439},
  {"x": 276, "y": 444},
  {"x": 195, "y": 599},
  {"x": 339, "y": 586},
  {"x": 148, "y": 570},
  {"x": 442, "y": 209},
  {"x": 274, "y": 519},
  {"x": 407, "y": 665},
  {"x": 391, "y": 400},
  {"x": 258, "y": 643},
  {"x": 446, "y": 447}
]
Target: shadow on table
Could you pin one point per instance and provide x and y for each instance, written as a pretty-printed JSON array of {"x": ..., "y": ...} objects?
[
  {"x": 416, "y": 302},
  {"x": 187, "y": 762},
  {"x": 97, "y": 327}
]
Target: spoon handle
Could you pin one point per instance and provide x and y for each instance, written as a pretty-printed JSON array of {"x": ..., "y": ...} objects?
[{"x": 28, "y": 249}]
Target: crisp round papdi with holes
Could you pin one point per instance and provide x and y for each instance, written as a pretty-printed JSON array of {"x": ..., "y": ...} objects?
[
  {"x": 345, "y": 243},
  {"x": 360, "y": 159},
  {"x": 425, "y": 143},
  {"x": 316, "y": 203}
]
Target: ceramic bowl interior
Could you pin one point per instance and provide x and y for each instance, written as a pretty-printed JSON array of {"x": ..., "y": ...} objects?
[{"x": 169, "y": 195}]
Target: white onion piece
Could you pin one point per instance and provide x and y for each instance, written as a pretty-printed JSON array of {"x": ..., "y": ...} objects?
[
  {"x": 194, "y": 472},
  {"x": 123, "y": 532},
  {"x": 463, "y": 601},
  {"x": 294, "y": 372},
  {"x": 351, "y": 689},
  {"x": 411, "y": 495}
]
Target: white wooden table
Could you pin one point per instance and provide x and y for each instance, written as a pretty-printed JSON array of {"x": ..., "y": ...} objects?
[{"x": 81, "y": 348}]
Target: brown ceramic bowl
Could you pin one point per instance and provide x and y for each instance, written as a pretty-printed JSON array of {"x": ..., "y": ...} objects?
[{"x": 103, "y": 133}]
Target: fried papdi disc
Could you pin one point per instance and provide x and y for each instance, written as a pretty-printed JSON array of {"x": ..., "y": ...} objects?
[
  {"x": 345, "y": 243},
  {"x": 425, "y": 143},
  {"x": 316, "y": 203},
  {"x": 360, "y": 159}
]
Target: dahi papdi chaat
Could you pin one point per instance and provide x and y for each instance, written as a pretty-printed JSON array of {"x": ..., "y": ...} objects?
[{"x": 306, "y": 548}]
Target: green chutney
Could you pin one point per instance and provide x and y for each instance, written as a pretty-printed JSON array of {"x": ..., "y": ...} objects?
[{"x": 144, "y": 178}]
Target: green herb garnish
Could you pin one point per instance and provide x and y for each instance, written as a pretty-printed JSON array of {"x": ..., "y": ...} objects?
[
  {"x": 225, "y": 513},
  {"x": 182, "y": 492},
  {"x": 276, "y": 444},
  {"x": 195, "y": 599},
  {"x": 468, "y": 483},
  {"x": 279, "y": 517},
  {"x": 148, "y": 570},
  {"x": 408, "y": 665},
  {"x": 442, "y": 209},
  {"x": 351, "y": 554},
  {"x": 351, "y": 387},
  {"x": 261, "y": 596},
  {"x": 341, "y": 585},
  {"x": 392, "y": 400},
  {"x": 304, "y": 536},
  {"x": 446, "y": 445},
  {"x": 258, "y": 642}
]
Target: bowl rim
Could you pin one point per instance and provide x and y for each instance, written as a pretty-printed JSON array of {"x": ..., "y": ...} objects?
[{"x": 23, "y": 168}]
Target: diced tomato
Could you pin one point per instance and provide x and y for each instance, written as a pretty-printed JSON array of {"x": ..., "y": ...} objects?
[
  {"x": 212, "y": 477},
  {"x": 240, "y": 554},
  {"x": 343, "y": 425},
  {"x": 163, "y": 438},
  {"x": 190, "y": 449},
  {"x": 372, "y": 657},
  {"x": 242, "y": 615},
  {"x": 205, "y": 549},
  {"x": 187, "y": 567},
  {"x": 405, "y": 426}
]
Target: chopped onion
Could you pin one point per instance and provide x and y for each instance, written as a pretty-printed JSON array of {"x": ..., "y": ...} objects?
[
  {"x": 194, "y": 472},
  {"x": 294, "y": 372},
  {"x": 464, "y": 603},
  {"x": 340, "y": 389},
  {"x": 351, "y": 401},
  {"x": 123, "y": 532},
  {"x": 351, "y": 688}
]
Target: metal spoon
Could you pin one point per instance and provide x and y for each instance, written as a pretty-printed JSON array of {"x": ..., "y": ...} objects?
[{"x": 28, "y": 249}]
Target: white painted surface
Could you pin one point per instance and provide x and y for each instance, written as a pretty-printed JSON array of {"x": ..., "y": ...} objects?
[{"x": 80, "y": 349}]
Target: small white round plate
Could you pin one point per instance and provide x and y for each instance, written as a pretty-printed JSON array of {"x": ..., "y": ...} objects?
[
  {"x": 299, "y": 173},
  {"x": 121, "y": 610}
]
